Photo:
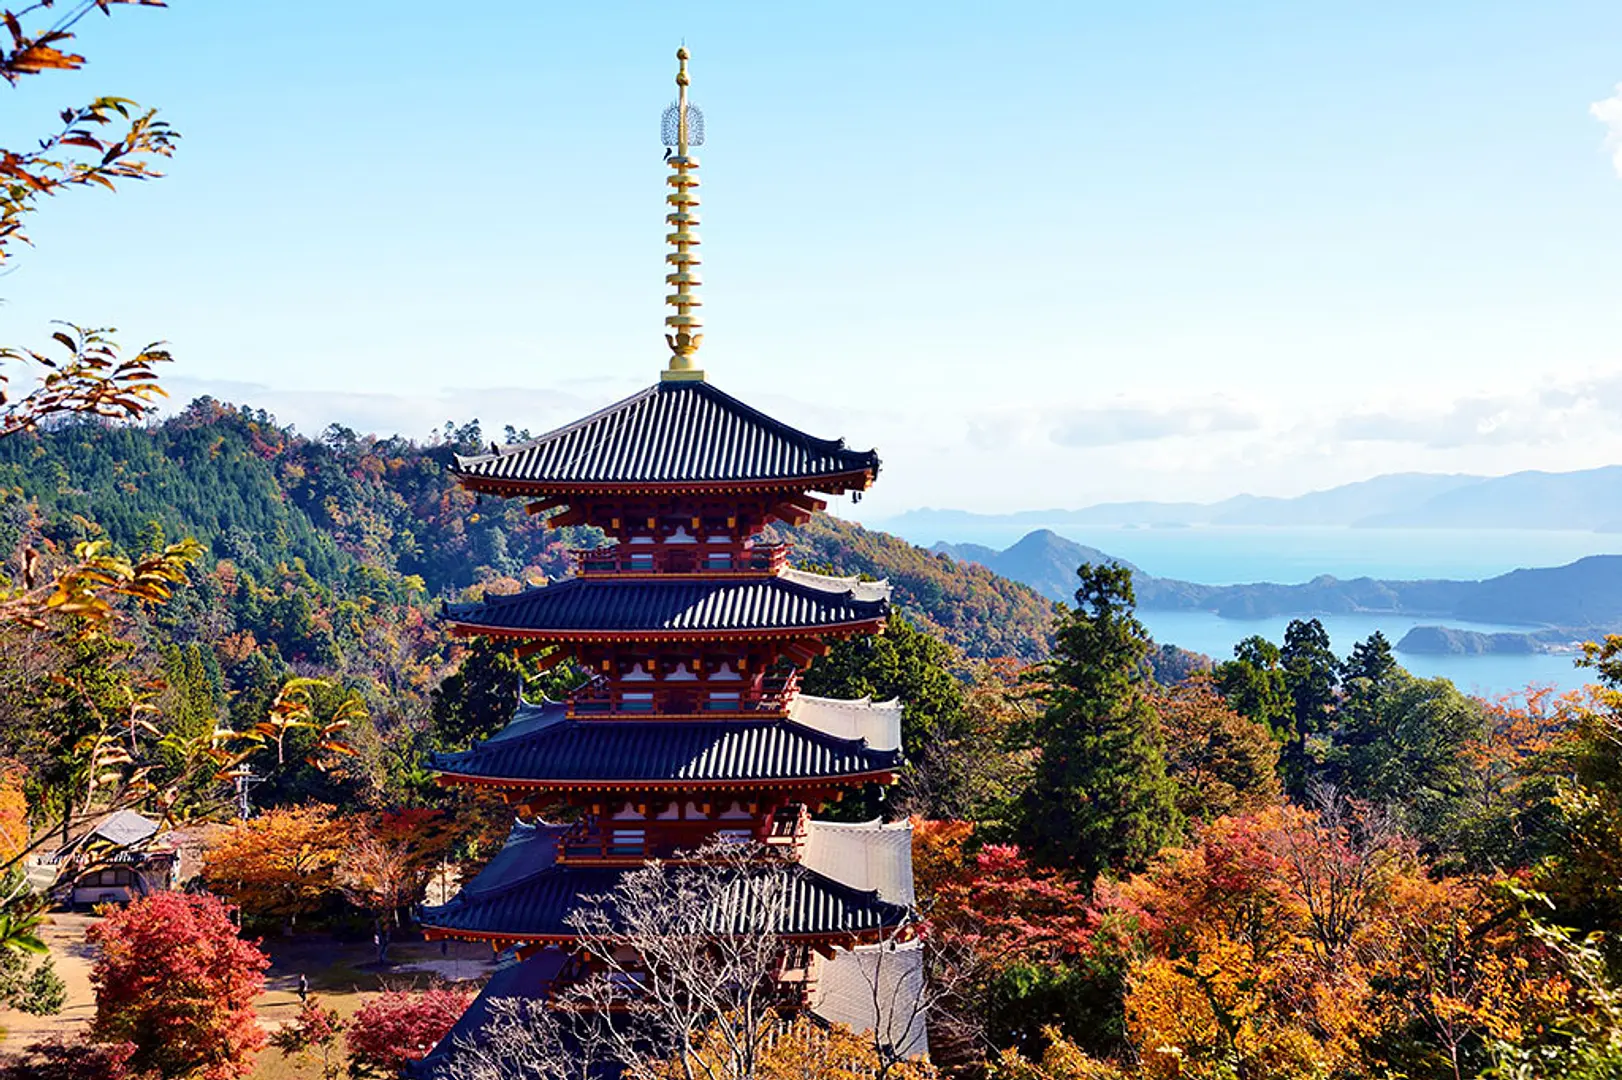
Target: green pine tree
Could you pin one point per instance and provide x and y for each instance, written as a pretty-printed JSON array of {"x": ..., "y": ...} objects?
[
  {"x": 1101, "y": 800},
  {"x": 478, "y": 700},
  {"x": 1253, "y": 683},
  {"x": 1311, "y": 674}
]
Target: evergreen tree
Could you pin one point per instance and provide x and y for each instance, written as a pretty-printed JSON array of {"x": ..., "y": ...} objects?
[
  {"x": 936, "y": 729},
  {"x": 1370, "y": 660},
  {"x": 1253, "y": 682},
  {"x": 903, "y": 662},
  {"x": 1405, "y": 746},
  {"x": 1365, "y": 676},
  {"x": 1101, "y": 800},
  {"x": 478, "y": 700},
  {"x": 1311, "y": 674}
]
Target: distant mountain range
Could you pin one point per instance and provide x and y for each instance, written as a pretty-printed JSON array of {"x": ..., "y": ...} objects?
[
  {"x": 1590, "y": 499},
  {"x": 1563, "y": 603}
]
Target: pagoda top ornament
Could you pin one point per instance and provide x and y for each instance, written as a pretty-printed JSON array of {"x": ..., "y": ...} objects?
[{"x": 682, "y": 129}]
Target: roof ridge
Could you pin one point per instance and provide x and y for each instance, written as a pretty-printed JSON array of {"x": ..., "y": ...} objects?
[
  {"x": 864, "y": 703},
  {"x": 565, "y": 429},
  {"x": 877, "y": 825},
  {"x": 770, "y": 421}
]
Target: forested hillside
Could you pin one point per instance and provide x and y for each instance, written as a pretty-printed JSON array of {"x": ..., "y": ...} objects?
[{"x": 304, "y": 526}]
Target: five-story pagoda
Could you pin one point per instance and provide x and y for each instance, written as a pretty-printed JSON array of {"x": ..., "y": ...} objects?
[{"x": 692, "y": 727}]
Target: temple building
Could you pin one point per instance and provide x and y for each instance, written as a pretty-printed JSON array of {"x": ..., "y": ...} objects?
[{"x": 692, "y": 726}]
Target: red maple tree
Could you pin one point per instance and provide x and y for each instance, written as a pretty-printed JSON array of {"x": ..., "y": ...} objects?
[
  {"x": 995, "y": 900},
  {"x": 173, "y": 978},
  {"x": 399, "y": 1026}
]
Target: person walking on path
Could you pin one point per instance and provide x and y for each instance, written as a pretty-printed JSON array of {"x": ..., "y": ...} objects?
[{"x": 303, "y": 987}]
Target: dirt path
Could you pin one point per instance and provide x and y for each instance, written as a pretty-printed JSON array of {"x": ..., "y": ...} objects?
[
  {"x": 64, "y": 934},
  {"x": 343, "y": 974}
]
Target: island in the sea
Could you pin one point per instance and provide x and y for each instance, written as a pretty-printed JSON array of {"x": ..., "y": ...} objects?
[{"x": 1559, "y": 606}]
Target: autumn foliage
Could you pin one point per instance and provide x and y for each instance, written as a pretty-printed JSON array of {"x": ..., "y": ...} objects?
[
  {"x": 75, "y": 1059},
  {"x": 281, "y": 864},
  {"x": 800, "y": 1050},
  {"x": 400, "y": 1026},
  {"x": 390, "y": 856},
  {"x": 13, "y": 813},
  {"x": 994, "y": 899},
  {"x": 173, "y": 978}
]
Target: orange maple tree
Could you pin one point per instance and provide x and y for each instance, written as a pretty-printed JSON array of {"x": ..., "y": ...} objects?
[
  {"x": 14, "y": 831},
  {"x": 281, "y": 864},
  {"x": 1296, "y": 942}
]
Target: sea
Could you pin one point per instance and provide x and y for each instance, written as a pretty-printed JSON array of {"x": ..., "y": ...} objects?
[{"x": 1230, "y": 555}]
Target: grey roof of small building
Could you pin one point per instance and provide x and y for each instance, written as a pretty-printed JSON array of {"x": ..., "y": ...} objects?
[
  {"x": 551, "y": 747},
  {"x": 537, "y": 905},
  {"x": 125, "y": 827},
  {"x": 871, "y": 855},
  {"x": 876, "y": 987},
  {"x": 605, "y": 604},
  {"x": 672, "y": 432}
]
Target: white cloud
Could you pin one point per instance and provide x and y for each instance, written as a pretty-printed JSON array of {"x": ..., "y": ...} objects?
[
  {"x": 1609, "y": 113},
  {"x": 1536, "y": 416},
  {"x": 1111, "y": 425},
  {"x": 1056, "y": 452}
]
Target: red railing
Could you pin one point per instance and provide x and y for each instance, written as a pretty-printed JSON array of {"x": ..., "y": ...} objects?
[
  {"x": 680, "y": 559},
  {"x": 681, "y": 699}
]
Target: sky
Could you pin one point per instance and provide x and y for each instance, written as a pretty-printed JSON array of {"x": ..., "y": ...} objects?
[{"x": 1039, "y": 255}]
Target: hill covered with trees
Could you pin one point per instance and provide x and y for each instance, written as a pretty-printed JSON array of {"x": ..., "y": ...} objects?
[{"x": 310, "y": 524}]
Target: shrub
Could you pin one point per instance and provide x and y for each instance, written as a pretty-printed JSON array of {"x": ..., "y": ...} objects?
[
  {"x": 400, "y": 1026},
  {"x": 75, "y": 1059}
]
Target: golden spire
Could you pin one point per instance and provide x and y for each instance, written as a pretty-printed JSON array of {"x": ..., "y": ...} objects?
[{"x": 683, "y": 128}]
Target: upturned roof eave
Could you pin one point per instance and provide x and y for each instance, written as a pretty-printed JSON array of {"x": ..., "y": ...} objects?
[
  {"x": 839, "y": 482},
  {"x": 832, "y": 937},
  {"x": 886, "y": 775},
  {"x": 873, "y": 624}
]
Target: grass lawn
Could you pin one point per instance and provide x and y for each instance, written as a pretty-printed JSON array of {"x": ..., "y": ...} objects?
[{"x": 343, "y": 974}]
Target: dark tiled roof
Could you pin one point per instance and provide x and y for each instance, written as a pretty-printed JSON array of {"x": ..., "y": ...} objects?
[
  {"x": 673, "y": 432},
  {"x": 530, "y": 846},
  {"x": 604, "y": 605},
  {"x": 650, "y": 751},
  {"x": 538, "y": 905}
]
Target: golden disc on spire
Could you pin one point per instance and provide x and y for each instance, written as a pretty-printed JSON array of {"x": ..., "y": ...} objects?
[{"x": 683, "y": 128}]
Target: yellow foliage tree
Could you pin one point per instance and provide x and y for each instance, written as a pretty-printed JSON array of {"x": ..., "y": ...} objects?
[
  {"x": 282, "y": 864},
  {"x": 799, "y": 1050},
  {"x": 14, "y": 832},
  {"x": 1297, "y": 943},
  {"x": 1062, "y": 1060}
]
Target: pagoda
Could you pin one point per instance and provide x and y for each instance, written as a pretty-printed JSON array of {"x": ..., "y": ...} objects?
[{"x": 694, "y": 631}]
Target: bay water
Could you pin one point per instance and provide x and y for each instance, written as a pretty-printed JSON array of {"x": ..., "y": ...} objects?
[{"x": 1229, "y": 555}]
